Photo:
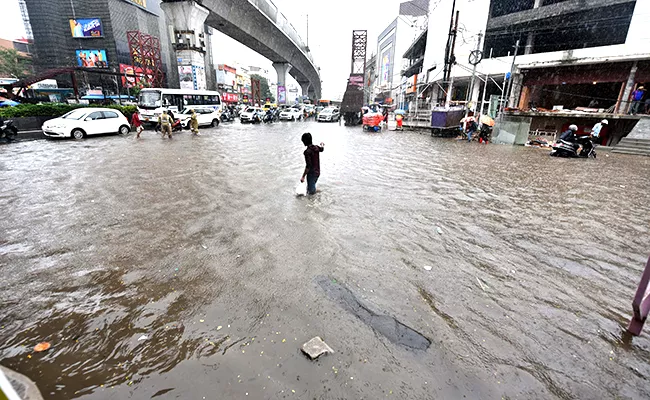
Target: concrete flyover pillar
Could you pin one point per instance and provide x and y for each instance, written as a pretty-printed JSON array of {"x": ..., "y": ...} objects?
[
  {"x": 305, "y": 88},
  {"x": 187, "y": 35},
  {"x": 282, "y": 69}
]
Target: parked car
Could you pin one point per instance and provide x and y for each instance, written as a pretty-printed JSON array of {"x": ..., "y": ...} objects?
[
  {"x": 252, "y": 114},
  {"x": 292, "y": 114},
  {"x": 206, "y": 116},
  {"x": 83, "y": 122},
  {"x": 329, "y": 114}
]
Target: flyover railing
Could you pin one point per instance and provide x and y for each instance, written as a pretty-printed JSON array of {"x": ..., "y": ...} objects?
[{"x": 274, "y": 14}]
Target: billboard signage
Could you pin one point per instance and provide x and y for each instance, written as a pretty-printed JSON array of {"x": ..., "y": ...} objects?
[
  {"x": 230, "y": 97},
  {"x": 356, "y": 80},
  {"x": 282, "y": 95},
  {"x": 86, "y": 28},
  {"x": 412, "y": 84},
  {"x": 92, "y": 58},
  {"x": 186, "y": 77},
  {"x": 133, "y": 76}
]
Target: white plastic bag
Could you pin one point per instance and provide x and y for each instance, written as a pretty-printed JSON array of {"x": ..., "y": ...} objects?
[{"x": 301, "y": 189}]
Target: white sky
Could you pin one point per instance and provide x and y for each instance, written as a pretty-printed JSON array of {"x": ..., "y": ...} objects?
[{"x": 330, "y": 34}]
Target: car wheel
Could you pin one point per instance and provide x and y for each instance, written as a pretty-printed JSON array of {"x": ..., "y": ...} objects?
[
  {"x": 78, "y": 134},
  {"x": 215, "y": 123},
  {"x": 124, "y": 130}
]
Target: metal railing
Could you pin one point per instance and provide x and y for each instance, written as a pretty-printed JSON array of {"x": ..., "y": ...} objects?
[{"x": 268, "y": 8}]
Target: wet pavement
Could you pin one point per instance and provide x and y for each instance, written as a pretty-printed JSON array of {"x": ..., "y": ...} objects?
[{"x": 188, "y": 269}]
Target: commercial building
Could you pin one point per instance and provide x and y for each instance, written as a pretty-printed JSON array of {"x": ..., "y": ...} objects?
[
  {"x": 123, "y": 36},
  {"x": 389, "y": 84},
  {"x": 585, "y": 57}
]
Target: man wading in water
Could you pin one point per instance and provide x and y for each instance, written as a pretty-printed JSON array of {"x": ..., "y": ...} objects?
[{"x": 312, "y": 162}]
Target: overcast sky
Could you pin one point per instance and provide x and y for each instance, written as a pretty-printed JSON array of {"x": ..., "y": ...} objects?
[{"x": 330, "y": 34}]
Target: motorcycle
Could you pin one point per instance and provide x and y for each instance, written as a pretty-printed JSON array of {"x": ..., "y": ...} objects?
[
  {"x": 268, "y": 117},
  {"x": 582, "y": 148},
  {"x": 8, "y": 131},
  {"x": 226, "y": 116}
]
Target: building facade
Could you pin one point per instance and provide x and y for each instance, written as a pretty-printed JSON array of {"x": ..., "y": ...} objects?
[
  {"x": 93, "y": 33},
  {"x": 389, "y": 85}
]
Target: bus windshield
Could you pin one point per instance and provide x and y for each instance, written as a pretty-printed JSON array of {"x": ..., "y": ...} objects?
[{"x": 149, "y": 99}]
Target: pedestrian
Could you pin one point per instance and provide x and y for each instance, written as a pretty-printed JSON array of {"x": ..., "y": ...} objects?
[
  {"x": 165, "y": 122},
  {"x": 398, "y": 120},
  {"x": 471, "y": 127},
  {"x": 595, "y": 131},
  {"x": 637, "y": 98},
  {"x": 136, "y": 124},
  {"x": 194, "y": 123},
  {"x": 312, "y": 162}
]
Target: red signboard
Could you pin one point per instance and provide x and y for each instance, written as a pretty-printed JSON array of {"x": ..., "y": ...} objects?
[{"x": 230, "y": 97}]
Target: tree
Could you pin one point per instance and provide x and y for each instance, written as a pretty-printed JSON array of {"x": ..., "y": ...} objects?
[
  {"x": 14, "y": 64},
  {"x": 264, "y": 87}
]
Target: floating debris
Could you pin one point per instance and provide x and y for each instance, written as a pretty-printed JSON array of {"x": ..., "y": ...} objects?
[
  {"x": 315, "y": 348},
  {"x": 42, "y": 347}
]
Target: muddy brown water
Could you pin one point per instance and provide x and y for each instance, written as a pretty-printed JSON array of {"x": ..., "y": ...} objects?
[{"x": 188, "y": 269}]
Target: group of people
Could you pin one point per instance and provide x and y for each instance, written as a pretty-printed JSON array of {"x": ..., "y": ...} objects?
[
  {"x": 637, "y": 101},
  {"x": 166, "y": 122},
  {"x": 571, "y": 136}
]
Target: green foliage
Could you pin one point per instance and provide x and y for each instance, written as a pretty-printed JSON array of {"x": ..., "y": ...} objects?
[
  {"x": 14, "y": 64},
  {"x": 55, "y": 110},
  {"x": 264, "y": 87}
]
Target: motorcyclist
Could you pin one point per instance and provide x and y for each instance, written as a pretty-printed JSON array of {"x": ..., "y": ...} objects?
[{"x": 570, "y": 134}]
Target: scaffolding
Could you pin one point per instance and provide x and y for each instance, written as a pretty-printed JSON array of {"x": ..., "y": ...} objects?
[{"x": 145, "y": 54}]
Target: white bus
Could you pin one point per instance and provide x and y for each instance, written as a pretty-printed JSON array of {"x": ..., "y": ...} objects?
[{"x": 153, "y": 101}]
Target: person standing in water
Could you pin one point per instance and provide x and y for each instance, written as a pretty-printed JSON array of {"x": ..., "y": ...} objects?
[
  {"x": 136, "y": 123},
  {"x": 312, "y": 162},
  {"x": 194, "y": 123}
]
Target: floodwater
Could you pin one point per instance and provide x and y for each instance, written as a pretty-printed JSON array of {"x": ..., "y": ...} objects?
[{"x": 188, "y": 269}]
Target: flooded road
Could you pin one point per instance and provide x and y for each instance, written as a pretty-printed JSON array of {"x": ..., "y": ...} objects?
[{"x": 187, "y": 269}]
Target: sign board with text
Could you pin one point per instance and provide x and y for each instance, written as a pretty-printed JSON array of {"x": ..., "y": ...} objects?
[{"x": 86, "y": 28}]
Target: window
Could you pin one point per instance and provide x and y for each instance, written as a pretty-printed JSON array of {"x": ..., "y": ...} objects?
[
  {"x": 110, "y": 114},
  {"x": 95, "y": 116},
  {"x": 74, "y": 114}
]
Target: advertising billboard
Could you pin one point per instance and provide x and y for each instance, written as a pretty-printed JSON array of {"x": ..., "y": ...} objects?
[
  {"x": 186, "y": 77},
  {"x": 356, "y": 80},
  {"x": 412, "y": 84},
  {"x": 86, "y": 28},
  {"x": 282, "y": 95},
  {"x": 92, "y": 58},
  {"x": 133, "y": 76}
]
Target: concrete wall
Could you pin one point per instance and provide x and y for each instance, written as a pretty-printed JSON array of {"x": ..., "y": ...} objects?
[
  {"x": 512, "y": 130},
  {"x": 641, "y": 130}
]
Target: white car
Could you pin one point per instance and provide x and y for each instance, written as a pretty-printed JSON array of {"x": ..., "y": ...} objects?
[
  {"x": 252, "y": 114},
  {"x": 329, "y": 114},
  {"x": 207, "y": 116},
  {"x": 83, "y": 122},
  {"x": 292, "y": 114}
]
